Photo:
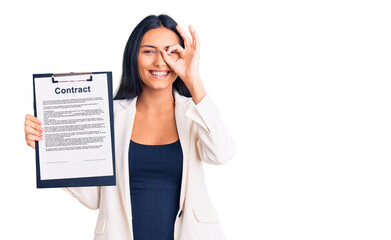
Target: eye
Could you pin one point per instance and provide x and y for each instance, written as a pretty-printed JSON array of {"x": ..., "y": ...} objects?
[
  {"x": 148, "y": 51},
  {"x": 173, "y": 53}
]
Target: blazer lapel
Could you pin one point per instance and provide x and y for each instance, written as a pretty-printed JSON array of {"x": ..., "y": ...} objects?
[
  {"x": 124, "y": 120},
  {"x": 183, "y": 124}
]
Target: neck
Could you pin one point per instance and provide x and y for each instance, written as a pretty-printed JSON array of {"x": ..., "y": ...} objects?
[{"x": 155, "y": 101}]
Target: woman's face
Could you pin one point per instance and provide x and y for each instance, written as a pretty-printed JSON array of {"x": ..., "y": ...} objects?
[{"x": 153, "y": 70}]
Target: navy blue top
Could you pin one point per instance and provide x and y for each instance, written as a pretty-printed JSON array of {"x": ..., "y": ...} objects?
[{"x": 155, "y": 174}]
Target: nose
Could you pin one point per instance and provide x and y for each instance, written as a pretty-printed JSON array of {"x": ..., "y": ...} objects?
[{"x": 159, "y": 60}]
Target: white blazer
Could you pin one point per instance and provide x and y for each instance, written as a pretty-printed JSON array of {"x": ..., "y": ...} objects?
[{"x": 203, "y": 138}]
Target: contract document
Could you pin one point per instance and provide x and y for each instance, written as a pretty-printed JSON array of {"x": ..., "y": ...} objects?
[{"x": 76, "y": 111}]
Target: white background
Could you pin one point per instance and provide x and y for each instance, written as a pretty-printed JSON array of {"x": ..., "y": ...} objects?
[{"x": 303, "y": 86}]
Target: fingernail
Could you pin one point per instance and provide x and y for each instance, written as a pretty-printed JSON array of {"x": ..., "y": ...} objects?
[{"x": 41, "y": 129}]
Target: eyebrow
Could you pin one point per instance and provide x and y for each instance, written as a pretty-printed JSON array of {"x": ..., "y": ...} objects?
[{"x": 154, "y": 46}]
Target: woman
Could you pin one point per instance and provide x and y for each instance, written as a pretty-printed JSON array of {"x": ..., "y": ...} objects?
[{"x": 166, "y": 125}]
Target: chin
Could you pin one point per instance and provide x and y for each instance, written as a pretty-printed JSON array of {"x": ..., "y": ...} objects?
[{"x": 158, "y": 85}]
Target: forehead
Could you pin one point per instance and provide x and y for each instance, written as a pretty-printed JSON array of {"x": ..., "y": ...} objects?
[{"x": 160, "y": 37}]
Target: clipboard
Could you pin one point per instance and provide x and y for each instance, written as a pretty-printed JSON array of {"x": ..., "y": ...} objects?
[{"x": 107, "y": 180}]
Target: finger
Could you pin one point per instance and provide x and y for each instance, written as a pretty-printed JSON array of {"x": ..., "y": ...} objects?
[
  {"x": 177, "y": 48},
  {"x": 31, "y": 140},
  {"x": 33, "y": 125},
  {"x": 31, "y": 144},
  {"x": 33, "y": 119},
  {"x": 31, "y": 131},
  {"x": 196, "y": 40},
  {"x": 170, "y": 62},
  {"x": 31, "y": 137},
  {"x": 186, "y": 39}
]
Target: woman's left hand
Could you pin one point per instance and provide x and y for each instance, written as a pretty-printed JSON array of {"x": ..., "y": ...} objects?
[{"x": 186, "y": 66}]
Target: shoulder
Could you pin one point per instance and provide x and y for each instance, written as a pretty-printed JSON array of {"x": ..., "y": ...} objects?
[{"x": 182, "y": 100}]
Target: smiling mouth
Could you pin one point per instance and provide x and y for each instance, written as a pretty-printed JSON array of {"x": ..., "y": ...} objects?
[{"x": 159, "y": 74}]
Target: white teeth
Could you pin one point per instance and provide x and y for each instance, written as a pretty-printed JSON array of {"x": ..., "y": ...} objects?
[{"x": 159, "y": 73}]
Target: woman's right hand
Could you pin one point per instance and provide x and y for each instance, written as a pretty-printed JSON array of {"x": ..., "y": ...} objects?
[{"x": 33, "y": 130}]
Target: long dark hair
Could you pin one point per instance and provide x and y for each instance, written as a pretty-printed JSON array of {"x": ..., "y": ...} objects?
[{"x": 131, "y": 85}]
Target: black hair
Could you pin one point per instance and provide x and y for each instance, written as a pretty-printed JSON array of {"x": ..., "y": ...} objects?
[{"x": 131, "y": 84}]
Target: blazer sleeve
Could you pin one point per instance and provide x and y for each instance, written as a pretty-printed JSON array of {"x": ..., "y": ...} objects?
[
  {"x": 88, "y": 196},
  {"x": 214, "y": 143}
]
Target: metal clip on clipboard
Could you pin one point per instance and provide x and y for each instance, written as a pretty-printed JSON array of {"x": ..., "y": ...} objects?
[{"x": 71, "y": 77}]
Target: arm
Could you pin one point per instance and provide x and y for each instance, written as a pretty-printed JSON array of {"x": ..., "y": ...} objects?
[{"x": 214, "y": 144}]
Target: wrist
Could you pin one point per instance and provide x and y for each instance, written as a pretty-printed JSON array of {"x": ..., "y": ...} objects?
[{"x": 197, "y": 91}]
